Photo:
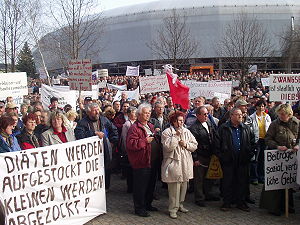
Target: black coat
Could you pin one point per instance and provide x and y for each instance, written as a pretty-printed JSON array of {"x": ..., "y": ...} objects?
[
  {"x": 223, "y": 145},
  {"x": 204, "y": 139}
]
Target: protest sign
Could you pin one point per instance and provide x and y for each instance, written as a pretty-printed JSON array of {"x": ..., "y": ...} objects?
[
  {"x": 153, "y": 84},
  {"x": 63, "y": 93},
  {"x": 80, "y": 71},
  {"x": 95, "y": 77},
  {"x": 222, "y": 96},
  {"x": 252, "y": 69},
  {"x": 93, "y": 94},
  {"x": 157, "y": 72},
  {"x": 103, "y": 73},
  {"x": 117, "y": 87},
  {"x": 56, "y": 81},
  {"x": 57, "y": 184},
  {"x": 135, "y": 94},
  {"x": 284, "y": 87},
  {"x": 280, "y": 169},
  {"x": 13, "y": 84},
  {"x": 235, "y": 83},
  {"x": 148, "y": 72},
  {"x": 102, "y": 84},
  {"x": 265, "y": 82},
  {"x": 133, "y": 71},
  {"x": 208, "y": 89}
]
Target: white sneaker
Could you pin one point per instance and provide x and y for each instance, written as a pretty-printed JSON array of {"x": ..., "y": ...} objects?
[
  {"x": 182, "y": 209},
  {"x": 173, "y": 215}
]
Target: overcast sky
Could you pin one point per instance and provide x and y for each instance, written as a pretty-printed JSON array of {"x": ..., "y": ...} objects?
[{"x": 110, "y": 4}]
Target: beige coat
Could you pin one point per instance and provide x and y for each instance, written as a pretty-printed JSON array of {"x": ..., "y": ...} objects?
[{"x": 177, "y": 165}]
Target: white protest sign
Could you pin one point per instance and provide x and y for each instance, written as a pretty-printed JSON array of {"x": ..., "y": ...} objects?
[
  {"x": 93, "y": 94},
  {"x": 265, "y": 81},
  {"x": 117, "y": 87},
  {"x": 63, "y": 93},
  {"x": 80, "y": 71},
  {"x": 148, "y": 72},
  {"x": 157, "y": 72},
  {"x": 56, "y": 81},
  {"x": 280, "y": 169},
  {"x": 284, "y": 87},
  {"x": 135, "y": 94},
  {"x": 153, "y": 84},
  {"x": 252, "y": 69},
  {"x": 103, "y": 73},
  {"x": 221, "y": 96},
  {"x": 58, "y": 184},
  {"x": 102, "y": 84},
  {"x": 133, "y": 71},
  {"x": 13, "y": 84},
  {"x": 208, "y": 89}
]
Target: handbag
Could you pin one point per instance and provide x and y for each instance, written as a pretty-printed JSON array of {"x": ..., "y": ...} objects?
[{"x": 214, "y": 169}]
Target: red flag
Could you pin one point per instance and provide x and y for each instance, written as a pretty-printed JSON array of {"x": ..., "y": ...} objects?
[{"x": 178, "y": 91}]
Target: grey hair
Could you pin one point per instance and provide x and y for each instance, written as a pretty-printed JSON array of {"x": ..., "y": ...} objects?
[
  {"x": 141, "y": 106},
  {"x": 158, "y": 103},
  {"x": 55, "y": 114},
  {"x": 89, "y": 106},
  {"x": 233, "y": 110},
  {"x": 131, "y": 109}
]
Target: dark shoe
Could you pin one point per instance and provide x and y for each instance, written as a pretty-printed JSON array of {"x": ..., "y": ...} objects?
[
  {"x": 225, "y": 207},
  {"x": 200, "y": 203},
  {"x": 212, "y": 199},
  {"x": 151, "y": 208},
  {"x": 142, "y": 213},
  {"x": 243, "y": 207},
  {"x": 250, "y": 200}
]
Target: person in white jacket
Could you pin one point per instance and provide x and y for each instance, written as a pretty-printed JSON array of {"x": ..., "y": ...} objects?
[
  {"x": 177, "y": 166},
  {"x": 261, "y": 122}
]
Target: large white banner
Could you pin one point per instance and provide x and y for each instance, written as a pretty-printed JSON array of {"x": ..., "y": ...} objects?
[
  {"x": 280, "y": 169},
  {"x": 117, "y": 87},
  {"x": 154, "y": 84},
  {"x": 65, "y": 95},
  {"x": 133, "y": 71},
  {"x": 58, "y": 184},
  {"x": 80, "y": 71},
  {"x": 208, "y": 89},
  {"x": 284, "y": 87},
  {"x": 135, "y": 94},
  {"x": 13, "y": 84},
  {"x": 102, "y": 84}
]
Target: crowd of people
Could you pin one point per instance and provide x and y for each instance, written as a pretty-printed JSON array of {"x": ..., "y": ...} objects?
[{"x": 154, "y": 140}]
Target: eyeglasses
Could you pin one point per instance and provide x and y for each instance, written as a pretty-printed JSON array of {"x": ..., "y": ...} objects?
[{"x": 204, "y": 114}]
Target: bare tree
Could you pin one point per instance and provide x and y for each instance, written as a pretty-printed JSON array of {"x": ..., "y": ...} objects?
[
  {"x": 77, "y": 29},
  {"x": 12, "y": 25},
  {"x": 244, "y": 39},
  {"x": 174, "y": 40}
]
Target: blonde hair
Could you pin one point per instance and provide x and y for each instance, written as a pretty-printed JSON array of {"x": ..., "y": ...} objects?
[
  {"x": 71, "y": 113},
  {"x": 286, "y": 108},
  {"x": 55, "y": 114}
]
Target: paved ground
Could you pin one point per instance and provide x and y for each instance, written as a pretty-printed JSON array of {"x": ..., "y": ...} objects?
[{"x": 120, "y": 211}]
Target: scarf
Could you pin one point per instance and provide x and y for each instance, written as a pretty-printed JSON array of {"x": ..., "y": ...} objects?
[
  {"x": 8, "y": 138},
  {"x": 33, "y": 139}
]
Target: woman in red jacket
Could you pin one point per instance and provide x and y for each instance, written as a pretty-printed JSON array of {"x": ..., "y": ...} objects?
[{"x": 27, "y": 139}]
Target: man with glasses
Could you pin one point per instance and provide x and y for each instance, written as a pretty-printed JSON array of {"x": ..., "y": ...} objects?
[
  {"x": 204, "y": 132},
  {"x": 234, "y": 146}
]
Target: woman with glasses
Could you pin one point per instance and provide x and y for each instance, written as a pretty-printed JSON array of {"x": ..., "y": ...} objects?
[
  {"x": 8, "y": 142},
  {"x": 177, "y": 166},
  {"x": 59, "y": 131},
  {"x": 283, "y": 134}
]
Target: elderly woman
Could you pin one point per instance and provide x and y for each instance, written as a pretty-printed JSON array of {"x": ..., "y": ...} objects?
[
  {"x": 177, "y": 166},
  {"x": 8, "y": 142},
  {"x": 58, "y": 132},
  {"x": 27, "y": 138},
  {"x": 282, "y": 135},
  {"x": 131, "y": 112}
]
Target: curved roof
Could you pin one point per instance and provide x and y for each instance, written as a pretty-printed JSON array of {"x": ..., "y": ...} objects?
[{"x": 179, "y": 4}]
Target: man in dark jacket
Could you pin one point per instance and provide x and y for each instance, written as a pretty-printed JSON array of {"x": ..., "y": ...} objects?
[
  {"x": 204, "y": 133},
  {"x": 95, "y": 124},
  {"x": 234, "y": 145},
  {"x": 144, "y": 157}
]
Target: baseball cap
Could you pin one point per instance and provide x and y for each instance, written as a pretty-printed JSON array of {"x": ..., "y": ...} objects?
[{"x": 11, "y": 105}]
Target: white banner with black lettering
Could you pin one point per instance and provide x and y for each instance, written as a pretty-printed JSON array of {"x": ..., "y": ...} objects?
[
  {"x": 280, "y": 169},
  {"x": 13, "y": 84},
  {"x": 58, "y": 184},
  {"x": 154, "y": 84}
]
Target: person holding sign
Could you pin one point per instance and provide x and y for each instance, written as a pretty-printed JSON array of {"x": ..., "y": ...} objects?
[
  {"x": 177, "y": 166},
  {"x": 8, "y": 142},
  {"x": 283, "y": 134},
  {"x": 234, "y": 146}
]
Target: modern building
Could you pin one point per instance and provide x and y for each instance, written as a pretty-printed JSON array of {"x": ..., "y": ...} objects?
[{"x": 128, "y": 29}]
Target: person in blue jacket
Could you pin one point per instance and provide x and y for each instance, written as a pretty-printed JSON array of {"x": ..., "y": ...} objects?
[{"x": 8, "y": 142}]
